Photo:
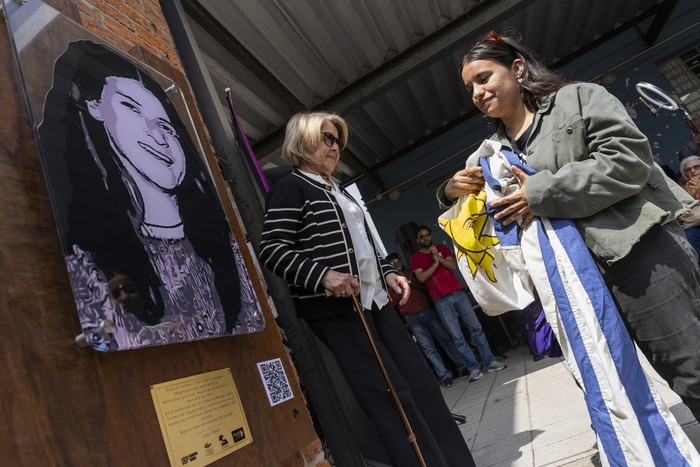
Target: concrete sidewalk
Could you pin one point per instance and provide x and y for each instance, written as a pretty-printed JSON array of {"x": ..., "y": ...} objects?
[{"x": 533, "y": 414}]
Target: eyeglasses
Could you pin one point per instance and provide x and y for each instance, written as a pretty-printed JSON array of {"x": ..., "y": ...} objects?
[
  {"x": 421, "y": 237},
  {"x": 128, "y": 288},
  {"x": 493, "y": 36},
  {"x": 329, "y": 140},
  {"x": 692, "y": 168}
]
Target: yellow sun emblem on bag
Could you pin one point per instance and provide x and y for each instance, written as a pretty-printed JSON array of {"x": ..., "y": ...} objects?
[{"x": 467, "y": 233}]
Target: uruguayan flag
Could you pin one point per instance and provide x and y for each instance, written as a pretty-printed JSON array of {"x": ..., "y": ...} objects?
[{"x": 633, "y": 425}]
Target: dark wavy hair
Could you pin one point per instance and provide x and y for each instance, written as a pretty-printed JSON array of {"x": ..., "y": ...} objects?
[
  {"x": 89, "y": 190},
  {"x": 538, "y": 80}
]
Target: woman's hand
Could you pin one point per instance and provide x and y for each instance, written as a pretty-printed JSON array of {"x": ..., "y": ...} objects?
[
  {"x": 516, "y": 205},
  {"x": 340, "y": 283},
  {"x": 693, "y": 186},
  {"x": 464, "y": 182},
  {"x": 400, "y": 286}
]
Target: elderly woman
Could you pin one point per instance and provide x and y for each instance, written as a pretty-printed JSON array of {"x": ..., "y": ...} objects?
[
  {"x": 690, "y": 171},
  {"x": 690, "y": 177},
  {"x": 315, "y": 236}
]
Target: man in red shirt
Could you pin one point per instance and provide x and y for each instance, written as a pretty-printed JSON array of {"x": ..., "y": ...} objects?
[
  {"x": 425, "y": 325},
  {"x": 434, "y": 265}
]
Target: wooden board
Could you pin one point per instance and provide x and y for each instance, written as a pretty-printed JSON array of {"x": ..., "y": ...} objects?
[{"x": 63, "y": 405}]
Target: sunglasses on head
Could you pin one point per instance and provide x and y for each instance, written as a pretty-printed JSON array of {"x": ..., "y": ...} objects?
[
  {"x": 128, "y": 288},
  {"x": 494, "y": 37},
  {"x": 329, "y": 140}
]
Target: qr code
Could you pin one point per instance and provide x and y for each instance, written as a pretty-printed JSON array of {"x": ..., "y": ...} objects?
[{"x": 275, "y": 381}]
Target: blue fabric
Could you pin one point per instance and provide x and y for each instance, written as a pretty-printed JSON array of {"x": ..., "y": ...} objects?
[
  {"x": 540, "y": 336},
  {"x": 622, "y": 350},
  {"x": 508, "y": 235},
  {"x": 693, "y": 236},
  {"x": 451, "y": 308},
  {"x": 567, "y": 272}
]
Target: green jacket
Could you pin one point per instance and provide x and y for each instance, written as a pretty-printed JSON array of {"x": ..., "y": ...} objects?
[{"x": 594, "y": 166}]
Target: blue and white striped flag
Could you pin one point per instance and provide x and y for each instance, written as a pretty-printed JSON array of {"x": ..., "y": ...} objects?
[{"x": 633, "y": 425}]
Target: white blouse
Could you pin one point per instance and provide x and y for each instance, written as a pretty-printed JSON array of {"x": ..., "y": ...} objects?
[{"x": 371, "y": 290}]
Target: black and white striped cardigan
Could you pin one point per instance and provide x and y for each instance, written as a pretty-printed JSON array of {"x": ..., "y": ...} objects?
[{"x": 304, "y": 236}]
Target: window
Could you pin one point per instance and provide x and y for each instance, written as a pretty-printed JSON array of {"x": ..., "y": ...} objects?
[{"x": 683, "y": 72}]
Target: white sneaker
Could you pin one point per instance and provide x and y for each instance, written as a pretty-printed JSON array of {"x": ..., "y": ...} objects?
[
  {"x": 475, "y": 375},
  {"x": 495, "y": 366}
]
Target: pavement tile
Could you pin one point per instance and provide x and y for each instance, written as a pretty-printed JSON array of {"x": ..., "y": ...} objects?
[
  {"x": 574, "y": 410},
  {"x": 578, "y": 448},
  {"x": 495, "y": 433},
  {"x": 532, "y": 414},
  {"x": 502, "y": 451},
  {"x": 561, "y": 431}
]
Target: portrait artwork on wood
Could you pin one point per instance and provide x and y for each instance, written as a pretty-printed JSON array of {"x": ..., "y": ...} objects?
[{"x": 150, "y": 253}]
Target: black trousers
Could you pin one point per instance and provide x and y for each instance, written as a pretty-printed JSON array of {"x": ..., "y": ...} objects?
[
  {"x": 437, "y": 434},
  {"x": 657, "y": 290}
]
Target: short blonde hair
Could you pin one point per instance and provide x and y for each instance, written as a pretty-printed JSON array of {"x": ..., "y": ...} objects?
[{"x": 303, "y": 135}]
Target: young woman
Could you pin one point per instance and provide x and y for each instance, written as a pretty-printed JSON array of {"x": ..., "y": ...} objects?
[
  {"x": 133, "y": 200},
  {"x": 595, "y": 167}
]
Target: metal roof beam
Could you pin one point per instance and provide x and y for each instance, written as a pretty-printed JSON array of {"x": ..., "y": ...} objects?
[
  {"x": 422, "y": 54},
  {"x": 660, "y": 21},
  {"x": 201, "y": 16}
]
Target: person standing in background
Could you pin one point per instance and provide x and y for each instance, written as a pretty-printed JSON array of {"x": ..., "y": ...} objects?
[
  {"x": 690, "y": 181},
  {"x": 424, "y": 323},
  {"x": 434, "y": 265},
  {"x": 690, "y": 171}
]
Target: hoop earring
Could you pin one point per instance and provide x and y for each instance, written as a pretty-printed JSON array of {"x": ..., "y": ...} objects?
[{"x": 519, "y": 79}]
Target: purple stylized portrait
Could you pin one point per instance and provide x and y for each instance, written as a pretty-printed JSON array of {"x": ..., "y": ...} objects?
[{"x": 146, "y": 240}]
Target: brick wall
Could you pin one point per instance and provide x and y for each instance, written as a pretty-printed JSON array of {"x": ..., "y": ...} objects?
[{"x": 128, "y": 23}]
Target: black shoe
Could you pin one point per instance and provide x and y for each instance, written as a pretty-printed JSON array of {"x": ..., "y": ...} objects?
[
  {"x": 537, "y": 358},
  {"x": 460, "y": 419},
  {"x": 446, "y": 382}
]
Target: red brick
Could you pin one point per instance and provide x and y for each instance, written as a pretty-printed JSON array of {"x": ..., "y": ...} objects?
[
  {"x": 141, "y": 21},
  {"x": 109, "y": 37},
  {"x": 151, "y": 9},
  {"x": 107, "y": 8},
  {"x": 90, "y": 11}
]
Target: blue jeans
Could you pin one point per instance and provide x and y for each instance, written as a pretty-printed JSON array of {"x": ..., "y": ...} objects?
[
  {"x": 454, "y": 306},
  {"x": 425, "y": 325},
  {"x": 693, "y": 236}
]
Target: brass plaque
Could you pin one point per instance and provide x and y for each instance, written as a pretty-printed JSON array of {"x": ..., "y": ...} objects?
[{"x": 201, "y": 418}]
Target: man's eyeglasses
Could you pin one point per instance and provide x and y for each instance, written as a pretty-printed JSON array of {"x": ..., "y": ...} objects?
[
  {"x": 421, "y": 237},
  {"x": 329, "y": 140},
  {"x": 128, "y": 288}
]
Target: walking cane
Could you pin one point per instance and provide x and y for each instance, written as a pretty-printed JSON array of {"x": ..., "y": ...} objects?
[{"x": 406, "y": 424}]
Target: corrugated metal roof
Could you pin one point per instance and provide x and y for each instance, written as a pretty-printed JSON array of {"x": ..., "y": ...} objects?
[{"x": 388, "y": 66}]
